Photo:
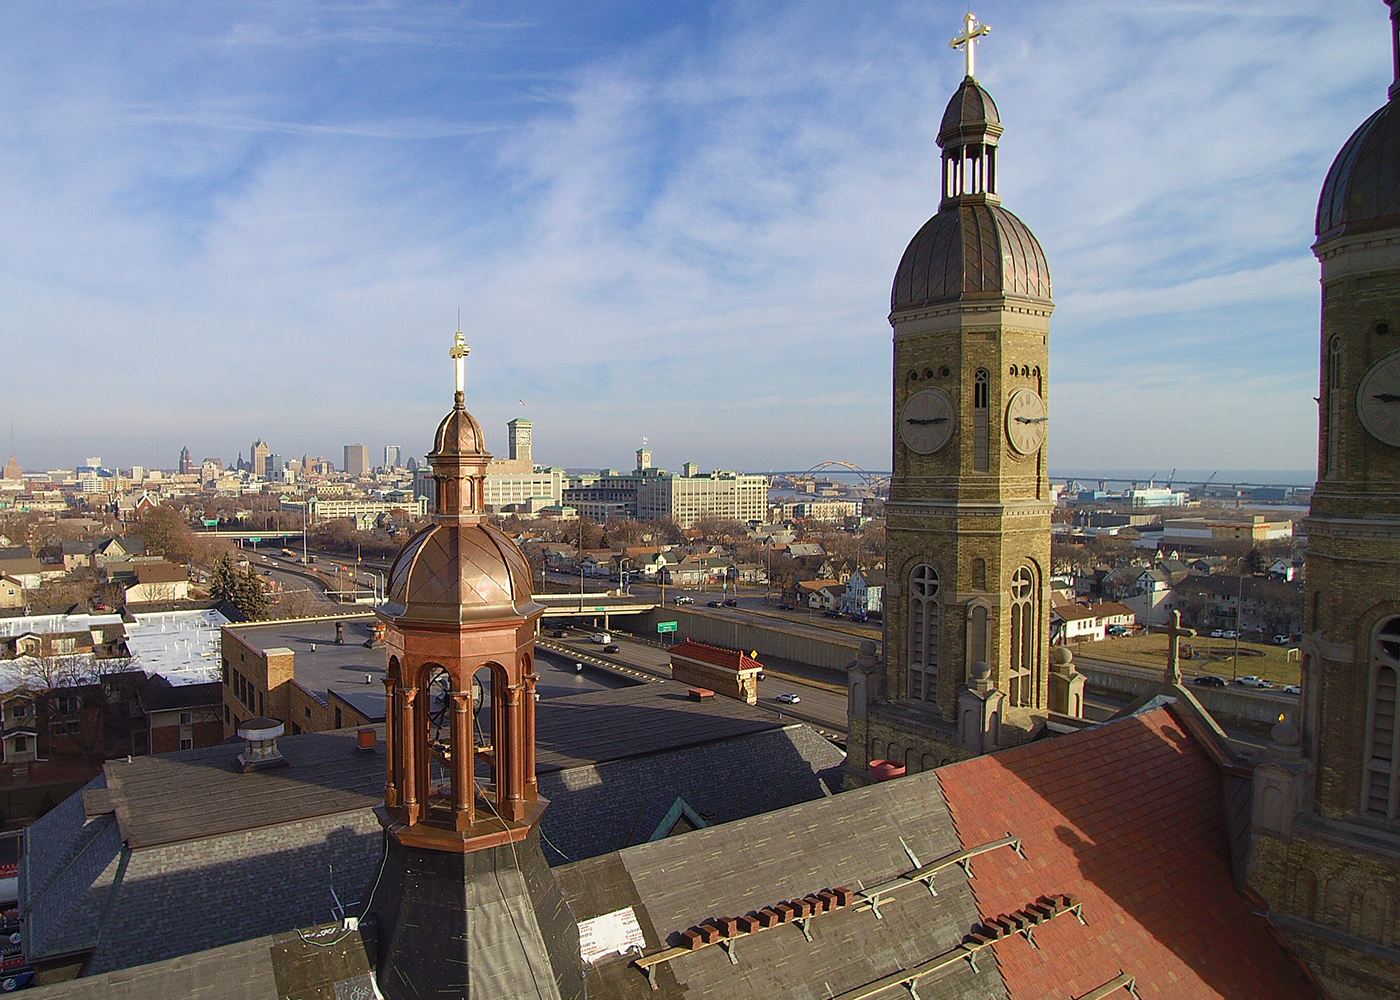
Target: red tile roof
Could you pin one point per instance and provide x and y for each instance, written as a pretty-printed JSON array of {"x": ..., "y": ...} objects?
[
  {"x": 714, "y": 655},
  {"x": 1129, "y": 818}
]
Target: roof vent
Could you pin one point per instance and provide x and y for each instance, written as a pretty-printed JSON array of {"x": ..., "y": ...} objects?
[{"x": 261, "y": 752}]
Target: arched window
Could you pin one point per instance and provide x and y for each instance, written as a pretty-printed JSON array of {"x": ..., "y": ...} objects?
[
  {"x": 1021, "y": 685},
  {"x": 1334, "y": 405},
  {"x": 923, "y": 634},
  {"x": 1378, "y": 796},
  {"x": 981, "y": 419}
]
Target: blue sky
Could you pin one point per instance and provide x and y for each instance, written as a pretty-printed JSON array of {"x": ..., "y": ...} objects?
[{"x": 680, "y": 220}]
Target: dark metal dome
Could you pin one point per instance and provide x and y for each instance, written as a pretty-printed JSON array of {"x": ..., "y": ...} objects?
[
  {"x": 966, "y": 249},
  {"x": 456, "y": 573},
  {"x": 970, "y": 115},
  {"x": 1362, "y": 191}
]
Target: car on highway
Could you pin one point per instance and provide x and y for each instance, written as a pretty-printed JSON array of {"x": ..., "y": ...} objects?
[
  {"x": 831, "y": 613},
  {"x": 612, "y": 647},
  {"x": 559, "y": 633},
  {"x": 601, "y": 638},
  {"x": 785, "y": 607},
  {"x": 683, "y": 599},
  {"x": 1208, "y": 681},
  {"x": 1292, "y": 689},
  {"x": 713, "y": 604},
  {"x": 1251, "y": 681},
  {"x": 788, "y": 698},
  {"x": 730, "y": 602},
  {"x": 860, "y": 616}
]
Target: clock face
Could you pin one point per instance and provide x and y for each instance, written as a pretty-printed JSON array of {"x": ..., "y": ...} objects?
[
  {"x": 926, "y": 422},
  {"x": 1378, "y": 400},
  {"x": 1026, "y": 421}
]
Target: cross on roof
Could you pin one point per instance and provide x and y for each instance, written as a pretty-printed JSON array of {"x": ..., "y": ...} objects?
[
  {"x": 459, "y": 353},
  {"x": 972, "y": 34},
  {"x": 1175, "y": 633}
]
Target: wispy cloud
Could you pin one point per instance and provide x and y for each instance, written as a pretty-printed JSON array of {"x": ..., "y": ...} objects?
[{"x": 260, "y": 219}]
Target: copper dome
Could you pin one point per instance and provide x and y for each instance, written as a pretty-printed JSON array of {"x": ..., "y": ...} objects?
[
  {"x": 969, "y": 248},
  {"x": 459, "y": 433},
  {"x": 452, "y": 573},
  {"x": 1362, "y": 191},
  {"x": 970, "y": 115}
]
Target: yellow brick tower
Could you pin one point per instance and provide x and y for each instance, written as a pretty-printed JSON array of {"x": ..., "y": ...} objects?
[
  {"x": 968, "y": 556},
  {"x": 1326, "y": 820}
]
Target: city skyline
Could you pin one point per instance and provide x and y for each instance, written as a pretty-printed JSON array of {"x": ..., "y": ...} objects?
[{"x": 694, "y": 227}]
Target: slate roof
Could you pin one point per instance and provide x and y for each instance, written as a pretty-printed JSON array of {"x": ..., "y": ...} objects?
[{"x": 1130, "y": 818}]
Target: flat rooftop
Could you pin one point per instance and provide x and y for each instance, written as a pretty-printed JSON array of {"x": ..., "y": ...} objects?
[{"x": 355, "y": 672}]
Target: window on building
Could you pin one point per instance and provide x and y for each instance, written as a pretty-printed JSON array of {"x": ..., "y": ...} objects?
[
  {"x": 187, "y": 744},
  {"x": 18, "y": 710},
  {"x": 338, "y": 724},
  {"x": 981, "y": 420},
  {"x": 225, "y": 671},
  {"x": 923, "y": 634},
  {"x": 1379, "y": 791},
  {"x": 21, "y": 744},
  {"x": 1021, "y": 686},
  {"x": 1334, "y": 405},
  {"x": 308, "y": 711},
  {"x": 186, "y": 718},
  {"x": 227, "y": 715}
]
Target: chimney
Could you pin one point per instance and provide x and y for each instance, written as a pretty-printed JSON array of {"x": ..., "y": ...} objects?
[
  {"x": 365, "y": 739},
  {"x": 261, "y": 752}
]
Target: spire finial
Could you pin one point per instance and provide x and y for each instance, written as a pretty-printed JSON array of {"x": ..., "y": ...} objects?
[
  {"x": 972, "y": 33},
  {"x": 459, "y": 353}
]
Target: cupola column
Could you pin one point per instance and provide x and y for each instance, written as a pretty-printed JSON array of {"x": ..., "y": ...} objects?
[
  {"x": 463, "y": 760},
  {"x": 391, "y": 731}
]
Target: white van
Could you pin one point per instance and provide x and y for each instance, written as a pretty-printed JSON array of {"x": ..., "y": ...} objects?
[{"x": 601, "y": 638}]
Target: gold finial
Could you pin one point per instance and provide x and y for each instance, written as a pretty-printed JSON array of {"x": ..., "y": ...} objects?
[{"x": 972, "y": 33}]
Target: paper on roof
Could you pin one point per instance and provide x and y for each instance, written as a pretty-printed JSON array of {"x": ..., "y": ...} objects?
[{"x": 617, "y": 931}]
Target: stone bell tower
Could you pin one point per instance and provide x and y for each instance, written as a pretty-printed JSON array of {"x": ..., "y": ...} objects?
[
  {"x": 1326, "y": 822},
  {"x": 968, "y": 549},
  {"x": 466, "y": 904}
]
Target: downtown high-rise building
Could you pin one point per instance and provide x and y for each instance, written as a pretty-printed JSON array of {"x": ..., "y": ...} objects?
[
  {"x": 356, "y": 459},
  {"x": 391, "y": 456}
]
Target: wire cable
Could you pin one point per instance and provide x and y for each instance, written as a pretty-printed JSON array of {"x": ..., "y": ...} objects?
[{"x": 495, "y": 868}]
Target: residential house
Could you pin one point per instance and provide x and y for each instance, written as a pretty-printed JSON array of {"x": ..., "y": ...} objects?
[
  {"x": 1271, "y": 606},
  {"x": 182, "y": 716},
  {"x": 119, "y": 549},
  {"x": 158, "y": 581},
  {"x": 11, "y": 592},
  {"x": 1285, "y": 569},
  {"x": 1073, "y": 623},
  {"x": 864, "y": 592},
  {"x": 821, "y": 595},
  {"x": 26, "y": 570}
]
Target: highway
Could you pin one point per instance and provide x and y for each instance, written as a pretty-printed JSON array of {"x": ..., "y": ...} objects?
[{"x": 823, "y": 704}]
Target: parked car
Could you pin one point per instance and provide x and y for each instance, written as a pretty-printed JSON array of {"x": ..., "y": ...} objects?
[
  {"x": 785, "y": 607},
  {"x": 558, "y": 633},
  {"x": 860, "y": 616},
  {"x": 1119, "y": 630},
  {"x": 1292, "y": 689},
  {"x": 788, "y": 698},
  {"x": 1281, "y": 639},
  {"x": 730, "y": 602},
  {"x": 683, "y": 599},
  {"x": 831, "y": 613},
  {"x": 601, "y": 638},
  {"x": 1254, "y": 682},
  {"x": 612, "y": 647},
  {"x": 1208, "y": 681},
  {"x": 1229, "y": 633},
  {"x": 1218, "y": 633}
]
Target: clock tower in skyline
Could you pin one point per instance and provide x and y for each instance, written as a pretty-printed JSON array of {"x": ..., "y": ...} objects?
[{"x": 966, "y": 655}]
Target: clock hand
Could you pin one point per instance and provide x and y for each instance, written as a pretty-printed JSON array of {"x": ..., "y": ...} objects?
[
  {"x": 1031, "y": 420},
  {"x": 1387, "y": 397},
  {"x": 929, "y": 420}
]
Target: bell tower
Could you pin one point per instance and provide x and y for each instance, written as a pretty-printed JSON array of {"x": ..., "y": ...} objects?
[
  {"x": 463, "y": 868},
  {"x": 1326, "y": 821},
  {"x": 968, "y": 519}
]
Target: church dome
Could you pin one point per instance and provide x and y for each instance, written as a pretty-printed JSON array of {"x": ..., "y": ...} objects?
[
  {"x": 970, "y": 115},
  {"x": 1362, "y": 192},
  {"x": 967, "y": 248},
  {"x": 455, "y": 573},
  {"x": 459, "y": 434}
]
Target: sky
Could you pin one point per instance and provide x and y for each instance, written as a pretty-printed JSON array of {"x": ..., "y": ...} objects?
[{"x": 227, "y": 221}]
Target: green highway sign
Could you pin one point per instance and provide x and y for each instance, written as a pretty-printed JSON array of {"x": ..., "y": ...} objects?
[
  {"x": 255, "y": 539},
  {"x": 211, "y": 522},
  {"x": 667, "y": 626},
  {"x": 600, "y": 608}
]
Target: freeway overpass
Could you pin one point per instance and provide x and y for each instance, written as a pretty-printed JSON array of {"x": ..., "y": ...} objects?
[
  {"x": 268, "y": 536},
  {"x": 593, "y": 606}
]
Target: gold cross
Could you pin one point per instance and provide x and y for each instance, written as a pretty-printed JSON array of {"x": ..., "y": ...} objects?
[
  {"x": 972, "y": 33},
  {"x": 459, "y": 353}
]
